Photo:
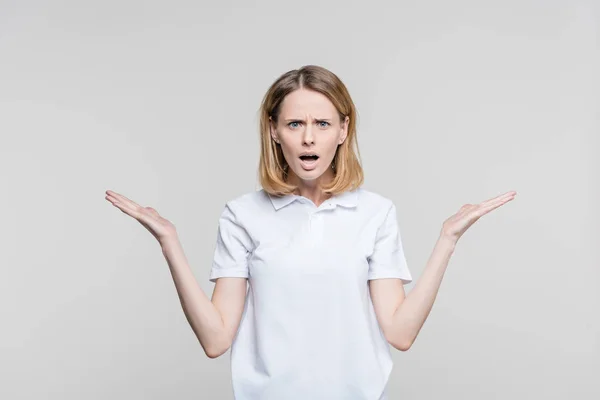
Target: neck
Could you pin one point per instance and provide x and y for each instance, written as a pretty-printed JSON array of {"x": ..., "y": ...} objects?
[{"x": 311, "y": 189}]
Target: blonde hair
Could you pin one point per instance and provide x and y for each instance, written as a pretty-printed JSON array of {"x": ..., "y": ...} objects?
[{"x": 272, "y": 166}]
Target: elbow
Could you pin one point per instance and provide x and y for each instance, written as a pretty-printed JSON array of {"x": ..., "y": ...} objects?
[
  {"x": 401, "y": 344},
  {"x": 215, "y": 352},
  {"x": 211, "y": 353},
  {"x": 405, "y": 347}
]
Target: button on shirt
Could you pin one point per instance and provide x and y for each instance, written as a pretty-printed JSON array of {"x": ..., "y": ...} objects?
[{"x": 309, "y": 329}]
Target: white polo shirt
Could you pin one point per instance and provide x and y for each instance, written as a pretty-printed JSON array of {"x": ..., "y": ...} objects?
[{"x": 309, "y": 329}]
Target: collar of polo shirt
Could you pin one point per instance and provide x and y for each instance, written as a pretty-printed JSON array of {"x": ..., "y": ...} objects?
[{"x": 346, "y": 199}]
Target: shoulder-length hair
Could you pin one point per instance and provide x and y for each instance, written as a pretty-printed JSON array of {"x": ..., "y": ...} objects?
[{"x": 273, "y": 167}]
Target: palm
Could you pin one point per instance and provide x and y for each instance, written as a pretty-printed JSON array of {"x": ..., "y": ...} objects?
[
  {"x": 158, "y": 226},
  {"x": 455, "y": 226}
]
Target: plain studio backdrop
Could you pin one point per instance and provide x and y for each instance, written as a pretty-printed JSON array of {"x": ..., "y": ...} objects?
[{"x": 458, "y": 102}]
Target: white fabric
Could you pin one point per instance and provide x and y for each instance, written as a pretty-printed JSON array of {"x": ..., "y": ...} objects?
[{"x": 309, "y": 330}]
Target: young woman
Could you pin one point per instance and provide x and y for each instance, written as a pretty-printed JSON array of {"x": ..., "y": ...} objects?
[{"x": 322, "y": 256}]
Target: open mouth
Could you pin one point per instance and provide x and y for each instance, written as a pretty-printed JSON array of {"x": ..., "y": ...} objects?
[
  {"x": 309, "y": 161},
  {"x": 313, "y": 157}
]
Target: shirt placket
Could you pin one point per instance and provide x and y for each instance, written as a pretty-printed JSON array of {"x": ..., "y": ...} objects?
[{"x": 315, "y": 227}]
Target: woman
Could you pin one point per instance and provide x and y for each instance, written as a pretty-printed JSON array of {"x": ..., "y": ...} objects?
[{"x": 323, "y": 258}]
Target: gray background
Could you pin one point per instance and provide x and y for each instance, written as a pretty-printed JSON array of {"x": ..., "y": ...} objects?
[{"x": 458, "y": 101}]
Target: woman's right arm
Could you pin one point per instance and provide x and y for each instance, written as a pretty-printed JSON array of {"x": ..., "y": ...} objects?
[{"x": 214, "y": 322}]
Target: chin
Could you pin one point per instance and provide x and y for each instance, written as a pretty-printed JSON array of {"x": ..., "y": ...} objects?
[{"x": 308, "y": 175}]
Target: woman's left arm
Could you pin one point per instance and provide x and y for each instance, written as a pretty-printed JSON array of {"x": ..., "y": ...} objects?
[{"x": 402, "y": 317}]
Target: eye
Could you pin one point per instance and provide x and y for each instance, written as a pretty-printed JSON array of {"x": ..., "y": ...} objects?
[{"x": 299, "y": 122}]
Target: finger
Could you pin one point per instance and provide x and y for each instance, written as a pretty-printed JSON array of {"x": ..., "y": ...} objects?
[
  {"x": 123, "y": 199},
  {"x": 126, "y": 208},
  {"x": 484, "y": 209},
  {"x": 502, "y": 196}
]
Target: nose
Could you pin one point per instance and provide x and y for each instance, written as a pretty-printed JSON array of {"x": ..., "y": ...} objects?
[{"x": 308, "y": 137}]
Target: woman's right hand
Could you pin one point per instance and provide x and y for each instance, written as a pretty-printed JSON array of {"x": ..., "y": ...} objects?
[{"x": 159, "y": 227}]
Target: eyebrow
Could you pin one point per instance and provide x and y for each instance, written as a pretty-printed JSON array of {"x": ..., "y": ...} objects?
[{"x": 301, "y": 120}]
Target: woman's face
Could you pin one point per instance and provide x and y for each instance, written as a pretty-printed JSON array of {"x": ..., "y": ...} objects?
[{"x": 309, "y": 124}]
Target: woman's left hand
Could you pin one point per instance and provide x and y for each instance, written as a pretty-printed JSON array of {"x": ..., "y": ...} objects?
[{"x": 455, "y": 226}]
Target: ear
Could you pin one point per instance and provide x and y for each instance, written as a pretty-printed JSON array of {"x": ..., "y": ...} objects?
[
  {"x": 344, "y": 131},
  {"x": 273, "y": 130}
]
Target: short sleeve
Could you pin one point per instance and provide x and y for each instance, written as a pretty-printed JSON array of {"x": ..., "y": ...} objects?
[
  {"x": 388, "y": 259},
  {"x": 232, "y": 248}
]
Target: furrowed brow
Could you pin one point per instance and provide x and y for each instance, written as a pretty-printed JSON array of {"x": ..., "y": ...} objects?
[{"x": 301, "y": 120}]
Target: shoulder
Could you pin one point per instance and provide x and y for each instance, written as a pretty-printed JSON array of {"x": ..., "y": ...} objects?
[
  {"x": 370, "y": 200},
  {"x": 376, "y": 208},
  {"x": 248, "y": 211},
  {"x": 248, "y": 204},
  {"x": 248, "y": 198}
]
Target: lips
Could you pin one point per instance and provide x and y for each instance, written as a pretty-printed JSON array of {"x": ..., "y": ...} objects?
[{"x": 308, "y": 163}]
